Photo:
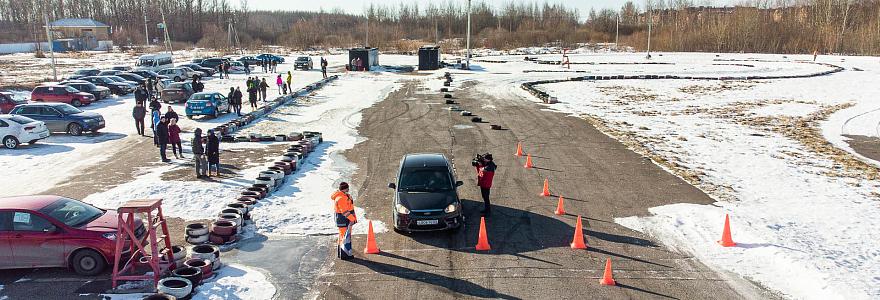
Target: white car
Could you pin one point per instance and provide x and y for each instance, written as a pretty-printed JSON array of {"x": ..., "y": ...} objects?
[
  {"x": 236, "y": 67},
  {"x": 178, "y": 74},
  {"x": 14, "y": 129}
]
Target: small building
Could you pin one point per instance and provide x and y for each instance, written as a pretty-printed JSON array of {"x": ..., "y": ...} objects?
[
  {"x": 369, "y": 56},
  {"x": 429, "y": 57},
  {"x": 81, "y": 34}
]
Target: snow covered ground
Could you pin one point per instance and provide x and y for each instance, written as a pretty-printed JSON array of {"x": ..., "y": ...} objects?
[
  {"x": 231, "y": 282},
  {"x": 802, "y": 211}
]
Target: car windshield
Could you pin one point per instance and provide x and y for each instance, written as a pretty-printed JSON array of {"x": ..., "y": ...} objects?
[
  {"x": 302, "y": 59},
  {"x": 146, "y": 62},
  {"x": 22, "y": 120},
  {"x": 116, "y": 78},
  {"x": 67, "y": 109},
  {"x": 135, "y": 76},
  {"x": 105, "y": 80},
  {"x": 425, "y": 179},
  {"x": 71, "y": 212},
  {"x": 202, "y": 97}
]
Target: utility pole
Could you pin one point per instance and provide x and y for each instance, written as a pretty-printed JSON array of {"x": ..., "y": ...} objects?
[
  {"x": 617, "y": 32},
  {"x": 468, "y": 39},
  {"x": 51, "y": 49},
  {"x": 650, "y": 20},
  {"x": 146, "y": 25},
  {"x": 165, "y": 28},
  {"x": 367, "y": 33}
]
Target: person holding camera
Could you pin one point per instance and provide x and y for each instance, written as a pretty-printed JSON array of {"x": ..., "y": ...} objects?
[{"x": 485, "y": 173}]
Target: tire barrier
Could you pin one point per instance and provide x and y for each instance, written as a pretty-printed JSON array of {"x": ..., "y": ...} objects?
[
  {"x": 444, "y": 90},
  {"x": 159, "y": 297},
  {"x": 449, "y": 101},
  {"x": 495, "y": 127},
  {"x": 476, "y": 119},
  {"x": 194, "y": 275},
  {"x": 546, "y": 98},
  {"x": 253, "y": 194},
  {"x": 228, "y": 129},
  {"x": 175, "y": 286},
  {"x": 179, "y": 255},
  {"x": 203, "y": 264},
  {"x": 197, "y": 240},
  {"x": 466, "y": 113},
  {"x": 236, "y": 219},
  {"x": 447, "y": 96},
  {"x": 261, "y": 191},
  {"x": 225, "y": 227},
  {"x": 209, "y": 252}
]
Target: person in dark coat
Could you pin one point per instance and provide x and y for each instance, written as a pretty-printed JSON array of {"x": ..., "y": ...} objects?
[
  {"x": 226, "y": 69},
  {"x": 162, "y": 137},
  {"x": 171, "y": 115},
  {"x": 141, "y": 95},
  {"x": 237, "y": 96},
  {"x": 263, "y": 87},
  {"x": 324, "y": 67},
  {"x": 212, "y": 150},
  {"x": 174, "y": 138},
  {"x": 139, "y": 113},
  {"x": 198, "y": 151},
  {"x": 247, "y": 67},
  {"x": 151, "y": 88},
  {"x": 154, "y": 104},
  {"x": 252, "y": 96}
]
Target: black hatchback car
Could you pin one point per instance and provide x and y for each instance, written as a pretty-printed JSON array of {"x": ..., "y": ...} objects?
[{"x": 425, "y": 195}]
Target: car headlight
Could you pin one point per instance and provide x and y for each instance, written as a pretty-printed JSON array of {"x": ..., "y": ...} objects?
[
  {"x": 451, "y": 208},
  {"x": 402, "y": 210},
  {"x": 110, "y": 236},
  {"x": 90, "y": 120}
]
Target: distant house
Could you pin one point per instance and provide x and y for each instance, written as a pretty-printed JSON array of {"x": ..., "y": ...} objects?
[
  {"x": 67, "y": 35},
  {"x": 79, "y": 28}
]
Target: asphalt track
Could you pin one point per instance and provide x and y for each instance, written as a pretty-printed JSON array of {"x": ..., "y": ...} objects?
[{"x": 598, "y": 176}]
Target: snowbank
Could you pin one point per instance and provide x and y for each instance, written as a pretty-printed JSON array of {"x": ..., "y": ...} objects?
[{"x": 234, "y": 282}]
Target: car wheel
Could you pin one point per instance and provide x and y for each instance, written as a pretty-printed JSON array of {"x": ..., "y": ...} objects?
[
  {"x": 74, "y": 129},
  {"x": 75, "y": 102},
  {"x": 216, "y": 113},
  {"x": 189, "y": 117},
  {"x": 88, "y": 263},
  {"x": 10, "y": 142},
  {"x": 176, "y": 78}
]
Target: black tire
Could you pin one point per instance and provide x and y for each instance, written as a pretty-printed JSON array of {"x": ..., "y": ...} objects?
[
  {"x": 10, "y": 142},
  {"x": 177, "y": 78},
  {"x": 74, "y": 129},
  {"x": 76, "y": 102},
  {"x": 88, "y": 262},
  {"x": 216, "y": 113}
]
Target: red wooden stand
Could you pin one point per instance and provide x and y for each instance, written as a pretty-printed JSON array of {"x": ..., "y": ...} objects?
[{"x": 158, "y": 262}]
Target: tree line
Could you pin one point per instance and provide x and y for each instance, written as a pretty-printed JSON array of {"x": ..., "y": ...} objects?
[{"x": 779, "y": 26}]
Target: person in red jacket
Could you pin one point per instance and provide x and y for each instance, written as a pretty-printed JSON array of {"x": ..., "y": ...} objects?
[
  {"x": 345, "y": 218},
  {"x": 174, "y": 138},
  {"x": 485, "y": 173}
]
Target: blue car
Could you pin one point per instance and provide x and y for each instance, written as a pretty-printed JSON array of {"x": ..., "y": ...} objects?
[
  {"x": 61, "y": 117},
  {"x": 207, "y": 104},
  {"x": 271, "y": 57}
]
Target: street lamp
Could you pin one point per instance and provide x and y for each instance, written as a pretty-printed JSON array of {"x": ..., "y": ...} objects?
[
  {"x": 468, "y": 58},
  {"x": 650, "y": 20}
]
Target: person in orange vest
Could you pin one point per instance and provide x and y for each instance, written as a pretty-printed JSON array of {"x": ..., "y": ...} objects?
[{"x": 345, "y": 218}]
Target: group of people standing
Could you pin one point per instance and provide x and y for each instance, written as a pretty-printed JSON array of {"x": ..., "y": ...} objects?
[
  {"x": 206, "y": 153},
  {"x": 282, "y": 85},
  {"x": 223, "y": 69},
  {"x": 269, "y": 65}
]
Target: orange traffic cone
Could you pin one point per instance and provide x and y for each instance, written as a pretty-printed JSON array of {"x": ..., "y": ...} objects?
[
  {"x": 560, "y": 210},
  {"x": 726, "y": 240},
  {"x": 483, "y": 240},
  {"x": 528, "y": 162},
  {"x": 546, "y": 192},
  {"x": 519, "y": 151},
  {"x": 578, "y": 241},
  {"x": 371, "y": 241},
  {"x": 607, "y": 278}
]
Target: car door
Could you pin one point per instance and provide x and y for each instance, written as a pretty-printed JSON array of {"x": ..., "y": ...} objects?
[
  {"x": 36, "y": 242},
  {"x": 6, "y": 259},
  {"x": 53, "y": 119},
  {"x": 224, "y": 103},
  {"x": 6, "y": 104}
]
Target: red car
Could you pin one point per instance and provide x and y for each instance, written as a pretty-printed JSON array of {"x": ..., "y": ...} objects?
[
  {"x": 53, "y": 231},
  {"x": 7, "y": 102},
  {"x": 61, "y": 93}
]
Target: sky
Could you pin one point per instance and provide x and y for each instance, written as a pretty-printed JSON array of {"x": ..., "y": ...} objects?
[{"x": 357, "y": 6}]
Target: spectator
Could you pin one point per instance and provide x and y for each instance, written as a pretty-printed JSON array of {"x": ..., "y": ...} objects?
[
  {"x": 351, "y": 65},
  {"x": 284, "y": 87},
  {"x": 155, "y": 118},
  {"x": 359, "y": 63},
  {"x": 220, "y": 70},
  {"x": 237, "y": 99},
  {"x": 141, "y": 95},
  {"x": 174, "y": 138},
  {"x": 171, "y": 115},
  {"x": 162, "y": 137},
  {"x": 151, "y": 88},
  {"x": 226, "y": 69},
  {"x": 247, "y": 67},
  {"x": 279, "y": 82},
  {"x": 263, "y": 87},
  {"x": 139, "y": 113},
  {"x": 252, "y": 96},
  {"x": 212, "y": 151},
  {"x": 198, "y": 151},
  {"x": 324, "y": 67},
  {"x": 289, "y": 79}
]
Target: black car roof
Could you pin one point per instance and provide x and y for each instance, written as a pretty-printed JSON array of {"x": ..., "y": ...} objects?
[{"x": 424, "y": 160}]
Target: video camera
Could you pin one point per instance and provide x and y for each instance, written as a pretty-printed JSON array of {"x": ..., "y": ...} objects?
[{"x": 478, "y": 159}]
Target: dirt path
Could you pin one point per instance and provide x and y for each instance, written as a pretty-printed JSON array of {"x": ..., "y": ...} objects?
[{"x": 530, "y": 257}]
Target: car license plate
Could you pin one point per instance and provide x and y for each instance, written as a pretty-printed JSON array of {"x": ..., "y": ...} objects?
[
  {"x": 427, "y": 222},
  {"x": 101, "y": 123},
  {"x": 197, "y": 111}
]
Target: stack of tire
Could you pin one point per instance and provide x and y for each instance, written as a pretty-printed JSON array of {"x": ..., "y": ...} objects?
[
  {"x": 182, "y": 282},
  {"x": 448, "y": 81},
  {"x": 178, "y": 253},
  {"x": 196, "y": 233}
]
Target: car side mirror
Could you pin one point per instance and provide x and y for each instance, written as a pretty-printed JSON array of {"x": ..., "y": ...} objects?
[
  {"x": 459, "y": 183},
  {"x": 392, "y": 186}
]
